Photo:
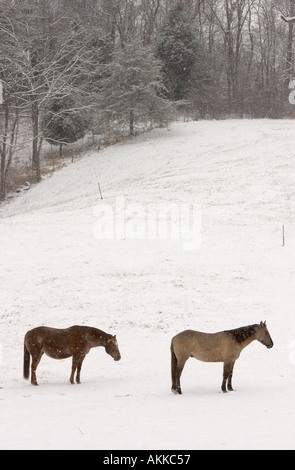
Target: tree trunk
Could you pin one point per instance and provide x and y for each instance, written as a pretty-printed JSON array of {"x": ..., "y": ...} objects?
[
  {"x": 36, "y": 145},
  {"x": 7, "y": 147},
  {"x": 3, "y": 182},
  {"x": 3, "y": 153},
  {"x": 131, "y": 122},
  {"x": 289, "y": 58}
]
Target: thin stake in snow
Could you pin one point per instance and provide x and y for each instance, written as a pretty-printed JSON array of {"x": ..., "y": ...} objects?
[
  {"x": 283, "y": 235},
  {"x": 100, "y": 190}
]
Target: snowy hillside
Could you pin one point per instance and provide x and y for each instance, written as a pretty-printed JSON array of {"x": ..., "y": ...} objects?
[{"x": 56, "y": 271}]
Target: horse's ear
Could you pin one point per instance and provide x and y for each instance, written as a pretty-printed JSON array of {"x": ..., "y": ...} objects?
[{"x": 115, "y": 337}]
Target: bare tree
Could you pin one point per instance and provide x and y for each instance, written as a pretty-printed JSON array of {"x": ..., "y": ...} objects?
[
  {"x": 149, "y": 13},
  {"x": 8, "y": 140},
  {"x": 290, "y": 41},
  {"x": 45, "y": 57}
]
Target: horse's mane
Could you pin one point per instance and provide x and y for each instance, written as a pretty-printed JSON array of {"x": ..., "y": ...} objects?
[{"x": 243, "y": 333}]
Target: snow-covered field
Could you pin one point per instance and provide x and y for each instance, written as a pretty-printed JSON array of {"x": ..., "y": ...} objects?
[{"x": 56, "y": 271}]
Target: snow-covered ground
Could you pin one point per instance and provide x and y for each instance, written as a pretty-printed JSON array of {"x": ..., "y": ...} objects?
[{"x": 55, "y": 271}]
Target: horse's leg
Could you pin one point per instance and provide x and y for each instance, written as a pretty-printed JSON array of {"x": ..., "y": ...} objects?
[
  {"x": 177, "y": 365},
  {"x": 173, "y": 371},
  {"x": 227, "y": 375},
  {"x": 79, "y": 368},
  {"x": 179, "y": 370},
  {"x": 74, "y": 367},
  {"x": 229, "y": 380},
  {"x": 36, "y": 357}
]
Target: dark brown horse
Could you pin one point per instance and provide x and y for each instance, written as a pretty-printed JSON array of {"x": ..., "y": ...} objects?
[
  {"x": 75, "y": 341},
  {"x": 224, "y": 346}
]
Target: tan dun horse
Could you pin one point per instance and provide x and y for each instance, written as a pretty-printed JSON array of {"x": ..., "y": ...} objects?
[
  {"x": 75, "y": 341},
  {"x": 224, "y": 346}
]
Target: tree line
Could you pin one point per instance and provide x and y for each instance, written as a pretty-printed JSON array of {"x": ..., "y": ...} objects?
[{"x": 70, "y": 67}]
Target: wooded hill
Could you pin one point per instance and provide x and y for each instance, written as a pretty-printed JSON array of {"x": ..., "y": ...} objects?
[{"x": 71, "y": 67}]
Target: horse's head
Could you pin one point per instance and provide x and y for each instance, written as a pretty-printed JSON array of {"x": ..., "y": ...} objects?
[
  {"x": 263, "y": 335},
  {"x": 112, "y": 348}
]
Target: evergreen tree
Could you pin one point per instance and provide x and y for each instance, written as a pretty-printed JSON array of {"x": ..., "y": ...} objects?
[
  {"x": 133, "y": 91},
  {"x": 177, "y": 48},
  {"x": 64, "y": 122}
]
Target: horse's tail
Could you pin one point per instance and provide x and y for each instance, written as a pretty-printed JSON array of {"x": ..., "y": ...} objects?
[{"x": 26, "y": 362}]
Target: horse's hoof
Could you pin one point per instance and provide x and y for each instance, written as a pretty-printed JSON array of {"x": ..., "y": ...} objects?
[{"x": 176, "y": 391}]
